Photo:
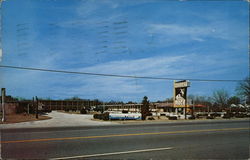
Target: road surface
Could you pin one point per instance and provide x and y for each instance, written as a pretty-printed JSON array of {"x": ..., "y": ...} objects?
[{"x": 217, "y": 140}]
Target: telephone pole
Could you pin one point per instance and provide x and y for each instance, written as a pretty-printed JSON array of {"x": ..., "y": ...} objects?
[
  {"x": 36, "y": 107},
  {"x": 1, "y": 56},
  {"x": 1, "y": 28},
  {"x": 3, "y": 104}
]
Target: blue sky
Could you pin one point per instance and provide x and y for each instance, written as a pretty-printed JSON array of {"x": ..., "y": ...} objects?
[{"x": 176, "y": 39}]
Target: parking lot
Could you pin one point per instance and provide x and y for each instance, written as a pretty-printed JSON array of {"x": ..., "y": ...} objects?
[{"x": 59, "y": 119}]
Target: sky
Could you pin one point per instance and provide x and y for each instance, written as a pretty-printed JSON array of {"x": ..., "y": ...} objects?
[{"x": 157, "y": 38}]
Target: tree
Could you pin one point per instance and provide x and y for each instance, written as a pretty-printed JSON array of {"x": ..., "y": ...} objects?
[
  {"x": 131, "y": 102},
  {"x": 243, "y": 89},
  {"x": 220, "y": 97},
  {"x": 19, "y": 98},
  {"x": 233, "y": 100},
  {"x": 73, "y": 98},
  {"x": 145, "y": 108},
  {"x": 204, "y": 100}
]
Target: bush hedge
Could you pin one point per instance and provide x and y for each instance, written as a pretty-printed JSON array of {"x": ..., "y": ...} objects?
[
  {"x": 103, "y": 116},
  {"x": 172, "y": 118},
  {"x": 83, "y": 111}
]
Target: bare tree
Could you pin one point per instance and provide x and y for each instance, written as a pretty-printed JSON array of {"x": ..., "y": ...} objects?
[
  {"x": 220, "y": 97},
  {"x": 243, "y": 89},
  {"x": 197, "y": 99}
]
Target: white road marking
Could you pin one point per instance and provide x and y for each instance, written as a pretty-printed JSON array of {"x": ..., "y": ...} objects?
[{"x": 114, "y": 153}]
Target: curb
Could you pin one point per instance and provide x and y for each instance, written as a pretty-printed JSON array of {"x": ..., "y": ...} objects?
[{"x": 187, "y": 122}]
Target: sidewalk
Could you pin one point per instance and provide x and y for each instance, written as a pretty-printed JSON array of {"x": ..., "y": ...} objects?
[{"x": 59, "y": 119}]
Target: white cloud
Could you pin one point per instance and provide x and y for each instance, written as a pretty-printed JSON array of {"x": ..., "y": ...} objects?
[
  {"x": 177, "y": 29},
  {"x": 113, "y": 87},
  {"x": 151, "y": 66},
  {"x": 182, "y": 66},
  {"x": 93, "y": 7},
  {"x": 198, "y": 39},
  {"x": 220, "y": 29},
  {"x": 59, "y": 85},
  {"x": 160, "y": 66}
]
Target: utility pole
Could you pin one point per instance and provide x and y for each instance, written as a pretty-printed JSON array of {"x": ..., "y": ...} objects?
[
  {"x": 1, "y": 28},
  {"x": 185, "y": 109},
  {"x": 103, "y": 107},
  {"x": 193, "y": 108},
  {"x": 28, "y": 109},
  {"x": 36, "y": 107},
  {"x": 33, "y": 104},
  {"x": 208, "y": 110},
  {"x": 3, "y": 104},
  {"x": 1, "y": 56},
  {"x": 246, "y": 98}
]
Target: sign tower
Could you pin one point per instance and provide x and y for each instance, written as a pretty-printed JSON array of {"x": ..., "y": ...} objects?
[{"x": 180, "y": 95}]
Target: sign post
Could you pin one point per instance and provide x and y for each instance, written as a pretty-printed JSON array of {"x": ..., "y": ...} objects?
[{"x": 180, "y": 95}]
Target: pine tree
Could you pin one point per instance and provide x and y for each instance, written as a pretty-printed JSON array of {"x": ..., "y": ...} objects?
[{"x": 145, "y": 107}]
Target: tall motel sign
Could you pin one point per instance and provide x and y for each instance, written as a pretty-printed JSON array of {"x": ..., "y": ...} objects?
[{"x": 180, "y": 96}]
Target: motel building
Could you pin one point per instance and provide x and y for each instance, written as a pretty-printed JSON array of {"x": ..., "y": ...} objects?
[{"x": 163, "y": 109}]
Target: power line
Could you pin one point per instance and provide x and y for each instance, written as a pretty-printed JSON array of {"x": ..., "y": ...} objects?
[{"x": 116, "y": 75}]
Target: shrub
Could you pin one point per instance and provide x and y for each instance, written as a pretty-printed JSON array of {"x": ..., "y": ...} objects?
[
  {"x": 226, "y": 116},
  {"x": 210, "y": 117},
  {"x": 66, "y": 109},
  {"x": 192, "y": 117},
  {"x": 215, "y": 114},
  {"x": 172, "y": 118},
  {"x": 151, "y": 118},
  {"x": 97, "y": 116},
  {"x": 103, "y": 116},
  {"x": 240, "y": 115},
  {"x": 83, "y": 111},
  {"x": 149, "y": 114},
  {"x": 74, "y": 109}
]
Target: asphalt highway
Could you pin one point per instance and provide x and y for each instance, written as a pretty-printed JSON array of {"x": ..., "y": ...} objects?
[{"x": 224, "y": 140}]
